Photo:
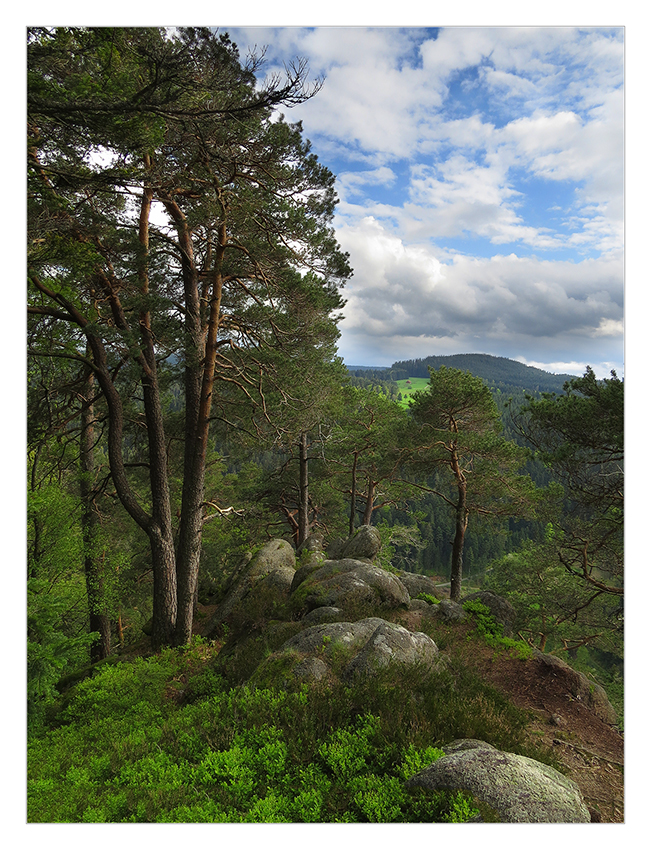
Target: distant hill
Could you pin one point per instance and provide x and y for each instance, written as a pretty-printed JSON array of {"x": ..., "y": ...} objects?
[
  {"x": 367, "y": 368},
  {"x": 498, "y": 371}
]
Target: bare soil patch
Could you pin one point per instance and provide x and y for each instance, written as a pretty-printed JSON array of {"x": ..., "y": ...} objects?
[{"x": 591, "y": 751}]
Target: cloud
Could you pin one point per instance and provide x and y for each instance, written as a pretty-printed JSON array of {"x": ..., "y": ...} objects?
[
  {"x": 354, "y": 182},
  {"x": 481, "y": 184},
  {"x": 574, "y": 367},
  {"x": 403, "y": 296}
]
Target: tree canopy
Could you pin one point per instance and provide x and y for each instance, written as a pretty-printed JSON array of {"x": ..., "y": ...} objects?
[
  {"x": 580, "y": 436},
  {"x": 459, "y": 432},
  {"x": 174, "y": 219}
]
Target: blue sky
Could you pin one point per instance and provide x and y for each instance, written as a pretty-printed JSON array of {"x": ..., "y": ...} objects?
[{"x": 480, "y": 177}]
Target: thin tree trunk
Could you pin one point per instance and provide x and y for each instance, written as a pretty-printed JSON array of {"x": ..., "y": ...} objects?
[
  {"x": 164, "y": 596},
  {"x": 303, "y": 502},
  {"x": 461, "y": 523},
  {"x": 160, "y": 530},
  {"x": 370, "y": 499},
  {"x": 37, "y": 551},
  {"x": 201, "y": 356},
  {"x": 98, "y": 616},
  {"x": 353, "y": 497}
]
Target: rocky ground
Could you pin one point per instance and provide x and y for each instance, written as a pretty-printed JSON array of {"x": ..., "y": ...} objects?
[{"x": 591, "y": 751}]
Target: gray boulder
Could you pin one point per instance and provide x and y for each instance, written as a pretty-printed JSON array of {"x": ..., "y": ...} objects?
[
  {"x": 391, "y": 643},
  {"x": 445, "y": 611},
  {"x": 314, "y": 561},
  {"x": 272, "y": 556},
  {"x": 323, "y": 637},
  {"x": 313, "y": 543},
  {"x": 501, "y": 609},
  {"x": 335, "y": 549},
  {"x": 336, "y": 583},
  {"x": 279, "y": 580},
  {"x": 519, "y": 789},
  {"x": 419, "y": 605},
  {"x": 591, "y": 694},
  {"x": 350, "y": 650},
  {"x": 322, "y": 615},
  {"x": 310, "y": 670},
  {"x": 275, "y": 556},
  {"x": 417, "y": 584},
  {"x": 365, "y": 543}
]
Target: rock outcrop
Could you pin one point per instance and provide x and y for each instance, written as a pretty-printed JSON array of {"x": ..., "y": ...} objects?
[
  {"x": 364, "y": 544},
  {"x": 349, "y": 651},
  {"x": 501, "y": 609},
  {"x": 393, "y": 644},
  {"x": 417, "y": 584},
  {"x": 517, "y": 788},
  {"x": 341, "y": 610},
  {"x": 351, "y": 581},
  {"x": 276, "y": 557}
]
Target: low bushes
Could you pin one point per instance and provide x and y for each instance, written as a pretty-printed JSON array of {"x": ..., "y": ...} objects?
[{"x": 167, "y": 739}]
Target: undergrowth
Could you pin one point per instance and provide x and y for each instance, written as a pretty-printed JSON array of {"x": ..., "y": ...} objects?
[
  {"x": 168, "y": 739},
  {"x": 493, "y": 632}
]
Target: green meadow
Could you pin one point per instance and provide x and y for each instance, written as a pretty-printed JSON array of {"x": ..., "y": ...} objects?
[{"x": 408, "y": 387}]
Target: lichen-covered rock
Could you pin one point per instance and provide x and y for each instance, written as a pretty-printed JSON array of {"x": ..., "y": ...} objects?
[
  {"x": 315, "y": 560},
  {"x": 445, "y": 611},
  {"x": 417, "y": 584},
  {"x": 277, "y": 555},
  {"x": 336, "y": 583},
  {"x": 324, "y": 636},
  {"x": 519, "y": 789},
  {"x": 272, "y": 556},
  {"x": 350, "y": 650},
  {"x": 391, "y": 643},
  {"x": 591, "y": 694},
  {"x": 335, "y": 548},
  {"x": 279, "y": 580},
  {"x": 323, "y": 615},
  {"x": 365, "y": 543},
  {"x": 310, "y": 669},
  {"x": 313, "y": 543}
]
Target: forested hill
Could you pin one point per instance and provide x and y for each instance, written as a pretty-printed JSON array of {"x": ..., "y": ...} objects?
[{"x": 499, "y": 371}]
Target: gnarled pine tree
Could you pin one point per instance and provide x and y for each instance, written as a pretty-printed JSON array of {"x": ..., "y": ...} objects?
[{"x": 167, "y": 202}]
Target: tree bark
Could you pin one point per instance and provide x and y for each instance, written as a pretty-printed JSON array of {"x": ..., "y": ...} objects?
[
  {"x": 303, "y": 502},
  {"x": 353, "y": 497},
  {"x": 160, "y": 528},
  {"x": 460, "y": 526},
  {"x": 370, "y": 500},
  {"x": 98, "y": 616},
  {"x": 201, "y": 356}
]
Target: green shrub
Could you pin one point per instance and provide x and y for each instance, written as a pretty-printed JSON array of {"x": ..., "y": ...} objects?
[
  {"x": 492, "y": 631},
  {"x": 125, "y": 748},
  {"x": 429, "y": 598}
]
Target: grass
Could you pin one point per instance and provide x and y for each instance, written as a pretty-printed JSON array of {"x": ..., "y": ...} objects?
[{"x": 409, "y": 387}]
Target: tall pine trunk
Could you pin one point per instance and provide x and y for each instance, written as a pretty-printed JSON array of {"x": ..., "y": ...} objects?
[
  {"x": 353, "y": 497},
  {"x": 460, "y": 526},
  {"x": 370, "y": 501},
  {"x": 201, "y": 335},
  {"x": 99, "y": 620},
  {"x": 159, "y": 528},
  {"x": 303, "y": 498}
]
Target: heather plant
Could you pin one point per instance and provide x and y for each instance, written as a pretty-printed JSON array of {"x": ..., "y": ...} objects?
[{"x": 167, "y": 739}]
